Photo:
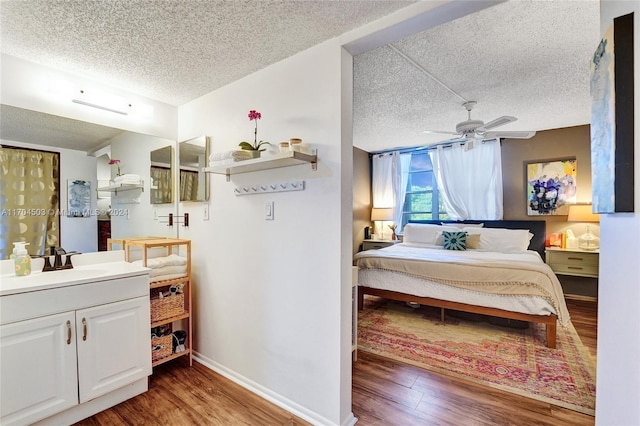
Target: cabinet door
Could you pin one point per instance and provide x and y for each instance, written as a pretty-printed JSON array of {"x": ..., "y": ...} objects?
[
  {"x": 38, "y": 368},
  {"x": 114, "y": 346}
]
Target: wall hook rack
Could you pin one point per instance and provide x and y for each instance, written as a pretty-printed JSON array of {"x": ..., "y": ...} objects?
[
  {"x": 171, "y": 218},
  {"x": 296, "y": 185}
]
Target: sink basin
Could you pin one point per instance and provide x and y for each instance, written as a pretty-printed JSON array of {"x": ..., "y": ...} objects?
[{"x": 37, "y": 279}]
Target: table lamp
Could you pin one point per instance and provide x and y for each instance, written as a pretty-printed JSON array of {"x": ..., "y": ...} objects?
[
  {"x": 583, "y": 213},
  {"x": 381, "y": 215}
]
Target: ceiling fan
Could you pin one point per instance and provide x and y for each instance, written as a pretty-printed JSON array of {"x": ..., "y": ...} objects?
[{"x": 477, "y": 129}]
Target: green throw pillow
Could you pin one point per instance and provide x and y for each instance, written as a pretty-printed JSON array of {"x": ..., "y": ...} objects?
[{"x": 455, "y": 240}]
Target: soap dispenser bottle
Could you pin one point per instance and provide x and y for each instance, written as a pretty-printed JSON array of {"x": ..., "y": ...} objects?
[{"x": 22, "y": 260}]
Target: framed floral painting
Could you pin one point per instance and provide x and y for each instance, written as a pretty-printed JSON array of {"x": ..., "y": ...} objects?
[{"x": 551, "y": 187}]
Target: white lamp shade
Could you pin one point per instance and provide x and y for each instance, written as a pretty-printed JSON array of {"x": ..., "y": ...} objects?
[
  {"x": 582, "y": 213},
  {"x": 381, "y": 214}
]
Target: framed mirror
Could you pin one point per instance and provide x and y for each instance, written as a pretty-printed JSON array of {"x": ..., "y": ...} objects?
[
  {"x": 161, "y": 176},
  {"x": 193, "y": 155}
]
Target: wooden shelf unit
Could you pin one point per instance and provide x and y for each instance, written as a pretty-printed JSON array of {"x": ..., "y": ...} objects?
[{"x": 171, "y": 245}]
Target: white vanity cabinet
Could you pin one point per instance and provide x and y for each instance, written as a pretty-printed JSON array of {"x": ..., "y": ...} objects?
[
  {"x": 39, "y": 369},
  {"x": 69, "y": 352}
]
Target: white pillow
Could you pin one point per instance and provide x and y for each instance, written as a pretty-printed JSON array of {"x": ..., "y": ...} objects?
[
  {"x": 440, "y": 236},
  {"x": 464, "y": 225},
  {"x": 424, "y": 233},
  {"x": 501, "y": 240}
]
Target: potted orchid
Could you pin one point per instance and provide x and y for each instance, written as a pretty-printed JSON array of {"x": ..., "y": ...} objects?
[
  {"x": 255, "y": 148},
  {"x": 117, "y": 163}
]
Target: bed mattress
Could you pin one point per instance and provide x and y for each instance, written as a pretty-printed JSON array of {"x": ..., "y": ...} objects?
[{"x": 518, "y": 282}]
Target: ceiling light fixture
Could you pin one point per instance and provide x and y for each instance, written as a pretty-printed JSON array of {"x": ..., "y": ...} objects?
[{"x": 102, "y": 100}]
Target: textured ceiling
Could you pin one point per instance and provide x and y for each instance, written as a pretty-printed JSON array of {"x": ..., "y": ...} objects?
[
  {"x": 524, "y": 58},
  {"x": 174, "y": 50},
  {"x": 528, "y": 59}
]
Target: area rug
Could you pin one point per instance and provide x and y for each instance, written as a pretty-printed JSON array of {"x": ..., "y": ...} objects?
[{"x": 514, "y": 360}]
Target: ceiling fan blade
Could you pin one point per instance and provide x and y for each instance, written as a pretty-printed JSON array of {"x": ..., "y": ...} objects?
[
  {"x": 510, "y": 135},
  {"x": 500, "y": 121},
  {"x": 440, "y": 132}
]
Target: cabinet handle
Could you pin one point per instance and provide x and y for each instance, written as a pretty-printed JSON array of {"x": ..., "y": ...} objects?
[
  {"x": 84, "y": 329},
  {"x": 574, "y": 267},
  {"x": 68, "y": 332},
  {"x": 574, "y": 258}
]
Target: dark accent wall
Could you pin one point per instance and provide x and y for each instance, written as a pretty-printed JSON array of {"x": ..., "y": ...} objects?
[
  {"x": 568, "y": 142},
  {"x": 361, "y": 196}
]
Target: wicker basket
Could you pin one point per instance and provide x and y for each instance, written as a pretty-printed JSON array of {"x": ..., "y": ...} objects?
[
  {"x": 167, "y": 307},
  {"x": 161, "y": 347}
]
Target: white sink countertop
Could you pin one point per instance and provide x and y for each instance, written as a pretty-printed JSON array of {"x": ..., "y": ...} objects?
[{"x": 88, "y": 267}]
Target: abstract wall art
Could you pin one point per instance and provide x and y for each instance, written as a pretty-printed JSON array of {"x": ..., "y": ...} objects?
[
  {"x": 79, "y": 198},
  {"x": 551, "y": 187},
  {"x": 612, "y": 119}
]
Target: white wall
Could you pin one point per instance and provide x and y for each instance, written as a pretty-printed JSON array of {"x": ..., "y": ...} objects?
[
  {"x": 269, "y": 294},
  {"x": 76, "y": 234},
  {"x": 133, "y": 215},
  {"x": 618, "y": 371}
]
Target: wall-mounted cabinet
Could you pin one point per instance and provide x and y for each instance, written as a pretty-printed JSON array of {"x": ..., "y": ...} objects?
[{"x": 283, "y": 159}]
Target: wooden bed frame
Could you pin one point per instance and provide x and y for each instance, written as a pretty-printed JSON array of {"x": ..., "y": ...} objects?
[{"x": 538, "y": 228}]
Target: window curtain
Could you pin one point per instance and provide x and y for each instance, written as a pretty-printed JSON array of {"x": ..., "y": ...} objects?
[
  {"x": 401, "y": 165},
  {"x": 382, "y": 180},
  {"x": 29, "y": 200},
  {"x": 389, "y": 182},
  {"x": 188, "y": 185},
  {"x": 161, "y": 185},
  {"x": 469, "y": 179}
]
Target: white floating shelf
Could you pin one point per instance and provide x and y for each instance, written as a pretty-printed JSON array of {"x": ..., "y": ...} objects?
[
  {"x": 121, "y": 187},
  {"x": 274, "y": 161}
]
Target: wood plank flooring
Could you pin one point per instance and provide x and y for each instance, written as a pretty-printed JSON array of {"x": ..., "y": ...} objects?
[{"x": 385, "y": 392}]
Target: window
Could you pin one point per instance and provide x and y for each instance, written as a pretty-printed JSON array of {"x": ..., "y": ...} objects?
[{"x": 422, "y": 192}]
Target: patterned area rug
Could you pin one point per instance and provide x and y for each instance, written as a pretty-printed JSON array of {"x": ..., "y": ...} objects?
[{"x": 511, "y": 359}]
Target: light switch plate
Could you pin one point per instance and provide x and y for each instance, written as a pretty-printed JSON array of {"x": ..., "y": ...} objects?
[{"x": 268, "y": 210}]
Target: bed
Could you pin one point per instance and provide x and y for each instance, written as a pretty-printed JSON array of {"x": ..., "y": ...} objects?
[{"x": 501, "y": 273}]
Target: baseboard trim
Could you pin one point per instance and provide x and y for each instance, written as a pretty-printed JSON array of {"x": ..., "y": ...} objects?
[{"x": 277, "y": 399}]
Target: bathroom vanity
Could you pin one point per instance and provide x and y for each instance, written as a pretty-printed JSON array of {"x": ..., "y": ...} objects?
[{"x": 72, "y": 342}]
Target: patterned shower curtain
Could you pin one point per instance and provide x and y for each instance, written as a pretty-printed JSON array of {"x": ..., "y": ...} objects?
[
  {"x": 161, "y": 191},
  {"x": 188, "y": 185},
  {"x": 29, "y": 199}
]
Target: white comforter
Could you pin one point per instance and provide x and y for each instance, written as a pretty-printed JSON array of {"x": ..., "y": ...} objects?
[{"x": 519, "y": 282}]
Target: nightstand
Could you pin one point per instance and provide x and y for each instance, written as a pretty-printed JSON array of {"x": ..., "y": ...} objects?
[
  {"x": 376, "y": 244},
  {"x": 576, "y": 262}
]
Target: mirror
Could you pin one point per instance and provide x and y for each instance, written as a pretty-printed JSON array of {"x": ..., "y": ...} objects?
[
  {"x": 194, "y": 183},
  {"x": 85, "y": 147},
  {"x": 161, "y": 176}
]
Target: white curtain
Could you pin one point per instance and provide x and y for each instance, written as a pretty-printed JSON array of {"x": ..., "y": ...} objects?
[
  {"x": 382, "y": 180},
  {"x": 470, "y": 179},
  {"x": 401, "y": 164},
  {"x": 389, "y": 182}
]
